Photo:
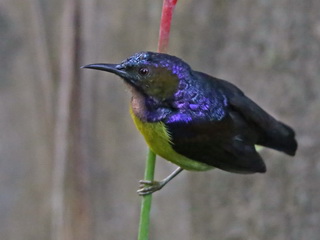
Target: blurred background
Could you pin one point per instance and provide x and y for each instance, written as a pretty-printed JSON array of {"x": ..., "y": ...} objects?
[{"x": 70, "y": 157}]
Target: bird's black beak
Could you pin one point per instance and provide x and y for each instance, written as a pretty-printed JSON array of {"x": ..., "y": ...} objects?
[{"x": 113, "y": 68}]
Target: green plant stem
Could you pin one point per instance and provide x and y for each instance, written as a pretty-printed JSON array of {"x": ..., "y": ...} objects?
[
  {"x": 146, "y": 201},
  {"x": 164, "y": 34}
]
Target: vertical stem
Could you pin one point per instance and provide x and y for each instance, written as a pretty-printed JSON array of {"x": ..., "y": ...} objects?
[
  {"x": 62, "y": 122},
  {"x": 79, "y": 199},
  {"x": 164, "y": 33},
  {"x": 146, "y": 200},
  {"x": 165, "y": 24},
  {"x": 69, "y": 143}
]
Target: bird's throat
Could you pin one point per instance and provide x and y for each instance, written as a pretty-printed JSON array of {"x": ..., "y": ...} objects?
[{"x": 138, "y": 106}]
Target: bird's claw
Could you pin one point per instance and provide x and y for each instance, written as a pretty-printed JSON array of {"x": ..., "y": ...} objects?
[{"x": 147, "y": 187}]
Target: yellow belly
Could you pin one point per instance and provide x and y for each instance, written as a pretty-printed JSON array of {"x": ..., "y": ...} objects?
[{"x": 158, "y": 139}]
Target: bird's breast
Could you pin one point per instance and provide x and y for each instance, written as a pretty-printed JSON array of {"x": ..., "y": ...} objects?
[{"x": 158, "y": 139}]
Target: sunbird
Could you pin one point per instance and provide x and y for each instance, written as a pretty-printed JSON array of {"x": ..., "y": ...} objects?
[{"x": 194, "y": 120}]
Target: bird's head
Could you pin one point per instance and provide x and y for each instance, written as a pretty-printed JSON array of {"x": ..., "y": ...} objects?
[{"x": 156, "y": 75}]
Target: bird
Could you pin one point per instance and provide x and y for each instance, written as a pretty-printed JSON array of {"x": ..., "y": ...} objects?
[{"x": 194, "y": 120}]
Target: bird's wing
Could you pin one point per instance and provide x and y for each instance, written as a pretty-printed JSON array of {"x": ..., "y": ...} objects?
[
  {"x": 214, "y": 143},
  {"x": 271, "y": 133}
]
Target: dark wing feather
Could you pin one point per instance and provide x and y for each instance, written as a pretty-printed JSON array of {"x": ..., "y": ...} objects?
[
  {"x": 215, "y": 144},
  {"x": 228, "y": 143},
  {"x": 271, "y": 133}
]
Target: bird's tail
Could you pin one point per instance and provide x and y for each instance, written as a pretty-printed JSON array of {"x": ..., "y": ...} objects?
[{"x": 280, "y": 137}]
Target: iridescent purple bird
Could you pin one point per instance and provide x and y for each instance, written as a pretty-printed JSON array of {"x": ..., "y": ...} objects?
[{"x": 194, "y": 120}]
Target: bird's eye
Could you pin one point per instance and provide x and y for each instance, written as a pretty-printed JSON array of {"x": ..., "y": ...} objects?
[{"x": 143, "y": 71}]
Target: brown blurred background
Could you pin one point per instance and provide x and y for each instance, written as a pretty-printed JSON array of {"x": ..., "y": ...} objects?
[{"x": 70, "y": 157}]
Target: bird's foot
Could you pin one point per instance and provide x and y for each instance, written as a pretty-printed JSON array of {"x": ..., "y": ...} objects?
[{"x": 148, "y": 187}]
